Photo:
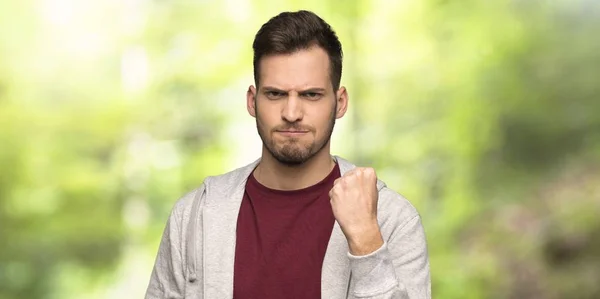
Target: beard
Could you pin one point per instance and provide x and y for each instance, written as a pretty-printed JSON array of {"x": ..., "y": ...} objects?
[{"x": 293, "y": 152}]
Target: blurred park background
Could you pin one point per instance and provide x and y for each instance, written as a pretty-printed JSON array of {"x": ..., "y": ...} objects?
[{"x": 485, "y": 114}]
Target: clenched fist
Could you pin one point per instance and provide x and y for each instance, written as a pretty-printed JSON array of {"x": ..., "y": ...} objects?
[{"x": 354, "y": 202}]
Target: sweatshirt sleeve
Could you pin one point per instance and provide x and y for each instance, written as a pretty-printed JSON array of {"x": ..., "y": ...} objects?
[
  {"x": 398, "y": 269},
  {"x": 167, "y": 279}
]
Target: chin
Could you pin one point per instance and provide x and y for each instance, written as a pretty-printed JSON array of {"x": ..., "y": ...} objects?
[{"x": 292, "y": 155}]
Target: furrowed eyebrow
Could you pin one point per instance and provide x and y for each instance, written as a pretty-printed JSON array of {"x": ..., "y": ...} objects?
[
  {"x": 315, "y": 90},
  {"x": 268, "y": 88},
  {"x": 310, "y": 90}
]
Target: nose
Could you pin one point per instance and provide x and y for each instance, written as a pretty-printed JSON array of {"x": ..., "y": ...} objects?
[{"x": 292, "y": 109}]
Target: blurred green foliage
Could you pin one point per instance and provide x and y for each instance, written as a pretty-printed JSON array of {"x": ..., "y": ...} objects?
[{"x": 485, "y": 114}]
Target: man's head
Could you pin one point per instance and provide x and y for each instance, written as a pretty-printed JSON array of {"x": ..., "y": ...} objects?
[
  {"x": 289, "y": 32},
  {"x": 297, "y": 72}
]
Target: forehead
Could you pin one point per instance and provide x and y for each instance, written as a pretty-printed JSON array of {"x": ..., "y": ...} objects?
[{"x": 301, "y": 69}]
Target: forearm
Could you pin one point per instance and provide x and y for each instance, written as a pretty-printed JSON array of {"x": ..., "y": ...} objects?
[{"x": 398, "y": 269}]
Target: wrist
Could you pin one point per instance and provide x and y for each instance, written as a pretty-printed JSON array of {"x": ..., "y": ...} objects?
[{"x": 366, "y": 241}]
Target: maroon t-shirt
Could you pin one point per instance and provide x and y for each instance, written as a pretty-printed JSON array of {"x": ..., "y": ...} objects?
[{"x": 282, "y": 237}]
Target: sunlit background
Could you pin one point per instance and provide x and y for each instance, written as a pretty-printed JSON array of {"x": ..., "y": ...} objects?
[{"x": 485, "y": 114}]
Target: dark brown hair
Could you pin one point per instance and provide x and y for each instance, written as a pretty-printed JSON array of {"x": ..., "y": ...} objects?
[{"x": 289, "y": 32}]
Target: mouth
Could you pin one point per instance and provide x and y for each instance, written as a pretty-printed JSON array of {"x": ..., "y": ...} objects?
[{"x": 292, "y": 133}]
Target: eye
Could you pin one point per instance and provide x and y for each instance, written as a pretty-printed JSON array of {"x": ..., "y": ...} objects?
[
  {"x": 274, "y": 94},
  {"x": 312, "y": 95}
]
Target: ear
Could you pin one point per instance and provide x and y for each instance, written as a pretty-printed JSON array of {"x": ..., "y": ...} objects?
[
  {"x": 251, "y": 100},
  {"x": 342, "y": 102}
]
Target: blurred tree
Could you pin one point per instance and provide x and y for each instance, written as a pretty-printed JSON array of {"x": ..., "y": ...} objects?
[
  {"x": 498, "y": 100},
  {"x": 93, "y": 158},
  {"x": 482, "y": 113}
]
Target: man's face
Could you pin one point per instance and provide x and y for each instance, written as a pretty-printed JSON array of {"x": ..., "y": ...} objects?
[{"x": 295, "y": 105}]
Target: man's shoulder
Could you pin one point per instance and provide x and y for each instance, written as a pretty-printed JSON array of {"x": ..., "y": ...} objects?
[
  {"x": 393, "y": 203},
  {"x": 394, "y": 212},
  {"x": 231, "y": 178},
  {"x": 224, "y": 181}
]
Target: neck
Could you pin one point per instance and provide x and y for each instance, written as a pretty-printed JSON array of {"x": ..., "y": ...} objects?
[{"x": 275, "y": 175}]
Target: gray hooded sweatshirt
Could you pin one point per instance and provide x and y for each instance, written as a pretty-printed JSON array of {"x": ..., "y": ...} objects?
[{"x": 196, "y": 254}]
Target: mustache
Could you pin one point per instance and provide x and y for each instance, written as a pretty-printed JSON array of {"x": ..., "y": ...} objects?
[{"x": 292, "y": 127}]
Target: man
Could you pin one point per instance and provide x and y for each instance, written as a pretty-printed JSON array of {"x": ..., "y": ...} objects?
[{"x": 298, "y": 222}]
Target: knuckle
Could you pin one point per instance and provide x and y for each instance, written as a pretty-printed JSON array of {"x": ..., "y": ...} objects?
[
  {"x": 344, "y": 182},
  {"x": 370, "y": 172}
]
